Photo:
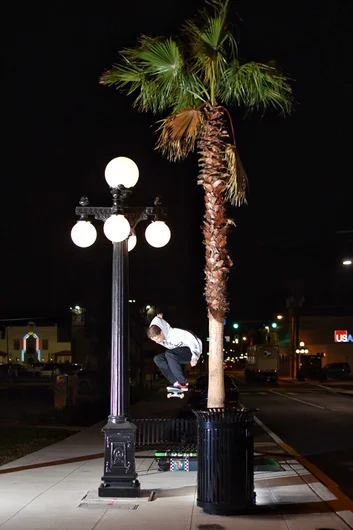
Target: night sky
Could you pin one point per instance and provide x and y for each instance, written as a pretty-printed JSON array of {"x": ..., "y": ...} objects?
[{"x": 61, "y": 128}]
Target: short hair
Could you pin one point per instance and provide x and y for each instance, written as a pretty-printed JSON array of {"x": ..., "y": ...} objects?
[{"x": 153, "y": 332}]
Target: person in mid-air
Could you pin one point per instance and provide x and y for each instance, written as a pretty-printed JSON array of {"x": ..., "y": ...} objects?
[{"x": 182, "y": 347}]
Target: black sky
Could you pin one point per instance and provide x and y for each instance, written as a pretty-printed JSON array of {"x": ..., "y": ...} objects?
[{"x": 60, "y": 129}]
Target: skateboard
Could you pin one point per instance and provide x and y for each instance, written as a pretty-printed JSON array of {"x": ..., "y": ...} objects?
[{"x": 175, "y": 392}]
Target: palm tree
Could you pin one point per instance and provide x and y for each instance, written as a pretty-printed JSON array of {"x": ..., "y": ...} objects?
[{"x": 193, "y": 79}]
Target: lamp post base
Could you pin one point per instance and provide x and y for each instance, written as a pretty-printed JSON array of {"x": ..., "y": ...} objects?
[
  {"x": 120, "y": 477},
  {"x": 114, "y": 489}
]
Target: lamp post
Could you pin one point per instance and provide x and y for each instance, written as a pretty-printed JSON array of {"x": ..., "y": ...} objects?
[
  {"x": 301, "y": 350},
  {"x": 119, "y": 475}
]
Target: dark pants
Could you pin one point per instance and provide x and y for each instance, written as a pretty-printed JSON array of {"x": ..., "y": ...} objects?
[{"x": 170, "y": 361}]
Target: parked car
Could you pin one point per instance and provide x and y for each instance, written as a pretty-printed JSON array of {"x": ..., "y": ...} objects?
[
  {"x": 198, "y": 395},
  {"x": 49, "y": 370},
  {"x": 87, "y": 380},
  {"x": 3, "y": 372},
  {"x": 15, "y": 370},
  {"x": 337, "y": 370},
  {"x": 228, "y": 365},
  {"x": 69, "y": 368},
  {"x": 35, "y": 369}
]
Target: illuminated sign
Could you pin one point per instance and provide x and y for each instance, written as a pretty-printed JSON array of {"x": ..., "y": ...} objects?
[{"x": 342, "y": 335}]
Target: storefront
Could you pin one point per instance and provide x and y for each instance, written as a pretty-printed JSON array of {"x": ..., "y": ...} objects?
[{"x": 328, "y": 337}]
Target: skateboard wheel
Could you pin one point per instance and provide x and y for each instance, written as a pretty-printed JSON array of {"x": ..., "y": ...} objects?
[{"x": 181, "y": 396}]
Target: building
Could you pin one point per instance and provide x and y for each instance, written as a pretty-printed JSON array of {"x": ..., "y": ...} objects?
[
  {"x": 29, "y": 343},
  {"x": 329, "y": 336}
]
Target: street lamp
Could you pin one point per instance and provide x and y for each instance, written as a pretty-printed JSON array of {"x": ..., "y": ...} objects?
[{"x": 119, "y": 475}]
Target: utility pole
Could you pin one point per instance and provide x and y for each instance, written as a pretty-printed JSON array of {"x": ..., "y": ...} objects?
[{"x": 294, "y": 304}]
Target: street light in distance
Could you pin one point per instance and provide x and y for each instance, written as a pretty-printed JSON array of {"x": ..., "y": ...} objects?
[{"x": 347, "y": 262}]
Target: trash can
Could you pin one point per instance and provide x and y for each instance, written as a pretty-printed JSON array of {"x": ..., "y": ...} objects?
[
  {"x": 60, "y": 391},
  {"x": 72, "y": 389},
  {"x": 300, "y": 376},
  {"x": 225, "y": 461}
]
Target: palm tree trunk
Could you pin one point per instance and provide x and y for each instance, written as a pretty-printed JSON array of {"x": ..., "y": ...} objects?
[
  {"x": 215, "y": 398},
  {"x": 213, "y": 177}
]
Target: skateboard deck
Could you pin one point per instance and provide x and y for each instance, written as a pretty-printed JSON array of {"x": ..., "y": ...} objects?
[{"x": 175, "y": 392}]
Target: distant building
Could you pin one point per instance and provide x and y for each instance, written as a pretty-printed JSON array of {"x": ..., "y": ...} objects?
[
  {"x": 70, "y": 339},
  {"x": 30, "y": 343},
  {"x": 331, "y": 336}
]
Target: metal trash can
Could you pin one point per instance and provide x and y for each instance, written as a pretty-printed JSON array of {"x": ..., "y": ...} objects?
[
  {"x": 60, "y": 391},
  {"x": 225, "y": 461}
]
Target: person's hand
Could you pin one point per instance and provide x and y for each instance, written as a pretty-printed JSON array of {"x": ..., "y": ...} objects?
[
  {"x": 160, "y": 315},
  {"x": 193, "y": 363}
]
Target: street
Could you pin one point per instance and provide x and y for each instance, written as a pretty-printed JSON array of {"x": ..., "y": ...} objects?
[{"x": 317, "y": 423}]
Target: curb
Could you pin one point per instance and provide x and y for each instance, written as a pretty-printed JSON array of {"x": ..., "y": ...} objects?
[{"x": 342, "y": 506}]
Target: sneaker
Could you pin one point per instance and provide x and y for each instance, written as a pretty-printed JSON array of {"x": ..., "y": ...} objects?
[{"x": 180, "y": 386}]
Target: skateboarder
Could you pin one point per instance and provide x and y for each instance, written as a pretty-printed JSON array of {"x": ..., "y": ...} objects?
[{"x": 183, "y": 347}]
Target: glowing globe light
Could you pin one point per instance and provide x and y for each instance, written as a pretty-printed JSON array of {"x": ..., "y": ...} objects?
[
  {"x": 83, "y": 234},
  {"x": 131, "y": 242},
  {"x": 121, "y": 171},
  {"x": 116, "y": 228},
  {"x": 158, "y": 234}
]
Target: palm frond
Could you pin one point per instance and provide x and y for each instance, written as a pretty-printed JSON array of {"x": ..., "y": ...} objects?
[
  {"x": 237, "y": 185},
  {"x": 159, "y": 56},
  {"x": 212, "y": 44},
  {"x": 155, "y": 70},
  {"x": 122, "y": 75},
  {"x": 192, "y": 92},
  {"x": 179, "y": 132},
  {"x": 256, "y": 86},
  {"x": 209, "y": 32}
]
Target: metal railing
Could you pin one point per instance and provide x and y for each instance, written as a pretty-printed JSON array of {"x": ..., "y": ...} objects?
[{"x": 156, "y": 433}]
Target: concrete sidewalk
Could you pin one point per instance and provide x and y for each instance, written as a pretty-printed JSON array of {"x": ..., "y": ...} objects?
[{"x": 56, "y": 488}]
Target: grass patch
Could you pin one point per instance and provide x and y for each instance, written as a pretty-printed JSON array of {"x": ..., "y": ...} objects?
[
  {"x": 16, "y": 442},
  {"x": 86, "y": 413},
  {"x": 81, "y": 415}
]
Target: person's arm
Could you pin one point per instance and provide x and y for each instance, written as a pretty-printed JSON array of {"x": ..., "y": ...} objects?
[
  {"x": 196, "y": 353},
  {"x": 191, "y": 341},
  {"x": 159, "y": 321}
]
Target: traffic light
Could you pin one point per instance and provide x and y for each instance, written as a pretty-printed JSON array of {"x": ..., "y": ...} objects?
[
  {"x": 236, "y": 325},
  {"x": 274, "y": 325}
]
